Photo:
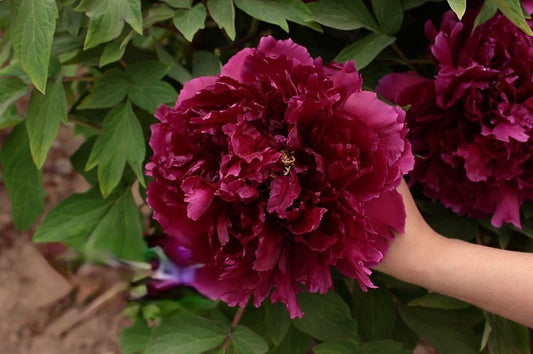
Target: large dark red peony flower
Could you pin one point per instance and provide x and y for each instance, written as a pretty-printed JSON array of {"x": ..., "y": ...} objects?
[
  {"x": 472, "y": 125},
  {"x": 275, "y": 170}
]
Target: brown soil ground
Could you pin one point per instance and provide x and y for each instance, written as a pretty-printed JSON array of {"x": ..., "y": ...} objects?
[{"x": 49, "y": 309}]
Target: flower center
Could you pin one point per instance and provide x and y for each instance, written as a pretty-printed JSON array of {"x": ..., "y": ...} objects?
[{"x": 288, "y": 160}]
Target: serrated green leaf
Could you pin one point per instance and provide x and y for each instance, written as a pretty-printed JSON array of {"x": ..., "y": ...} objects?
[
  {"x": 120, "y": 141},
  {"x": 245, "y": 341},
  {"x": 180, "y": 4},
  {"x": 21, "y": 178},
  {"x": 87, "y": 221},
  {"x": 10, "y": 117},
  {"x": 376, "y": 310},
  {"x": 108, "y": 91},
  {"x": 11, "y": 89},
  {"x": 270, "y": 11},
  {"x": 389, "y": 14},
  {"x": 343, "y": 14},
  {"x": 185, "y": 333},
  {"x": 33, "y": 23},
  {"x": 506, "y": 337},
  {"x": 188, "y": 22},
  {"x": 205, "y": 63},
  {"x": 512, "y": 9},
  {"x": 278, "y": 321},
  {"x": 382, "y": 347},
  {"x": 177, "y": 71},
  {"x": 438, "y": 301},
  {"x": 44, "y": 115},
  {"x": 458, "y": 6},
  {"x": 339, "y": 346},
  {"x": 107, "y": 19},
  {"x": 326, "y": 317},
  {"x": 442, "y": 329},
  {"x": 365, "y": 50},
  {"x": 223, "y": 13}
]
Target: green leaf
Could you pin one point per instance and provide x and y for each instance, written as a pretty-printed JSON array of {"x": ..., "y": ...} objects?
[
  {"x": 382, "y": 347},
  {"x": 512, "y": 9},
  {"x": 343, "y": 14},
  {"x": 295, "y": 342},
  {"x": 79, "y": 159},
  {"x": 339, "y": 346},
  {"x": 438, "y": 301},
  {"x": 177, "y": 71},
  {"x": 45, "y": 112},
  {"x": 183, "y": 333},
  {"x": 151, "y": 94},
  {"x": 296, "y": 11},
  {"x": 488, "y": 10},
  {"x": 180, "y": 4},
  {"x": 223, "y": 13},
  {"x": 326, "y": 317},
  {"x": 113, "y": 51},
  {"x": 133, "y": 339},
  {"x": 120, "y": 141},
  {"x": 11, "y": 89},
  {"x": 444, "y": 330},
  {"x": 244, "y": 341},
  {"x": 411, "y": 4},
  {"x": 147, "y": 90},
  {"x": 33, "y": 23},
  {"x": 10, "y": 117},
  {"x": 270, "y": 11},
  {"x": 21, "y": 178},
  {"x": 109, "y": 90},
  {"x": 88, "y": 222},
  {"x": 458, "y": 6},
  {"x": 188, "y": 22},
  {"x": 205, "y": 63},
  {"x": 158, "y": 14},
  {"x": 278, "y": 321},
  {"x": 365, "y": 50},
  {"x": 507, "y": 337},
  {"x": 376, "y": 310},
  {"x": 389, "y": 14},
  {"x": 107, "y": 19}
]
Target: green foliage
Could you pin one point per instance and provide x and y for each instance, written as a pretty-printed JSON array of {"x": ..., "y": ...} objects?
[
  {"x": 21, "y": 178},
  {"x": 105, "y": 66},
  {"x": 32, "y": 29}
]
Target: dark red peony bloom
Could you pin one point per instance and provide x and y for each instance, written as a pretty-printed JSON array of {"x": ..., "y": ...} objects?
[
  {"x": 471, "y": 126},
  {"x": 274, "y": 171}
]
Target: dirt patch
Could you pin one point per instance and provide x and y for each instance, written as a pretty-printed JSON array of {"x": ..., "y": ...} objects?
[{"x": 42, "y": 310}]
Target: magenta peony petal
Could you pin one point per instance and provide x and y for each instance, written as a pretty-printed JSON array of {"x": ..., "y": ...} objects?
[
  {"x": 198, "y": 195},
  {"x": 403, "y": 88},
  {"x": 507, "y": 208},
  {"x": 193, "y": 86},
  {"x": 283, "y": 192}
]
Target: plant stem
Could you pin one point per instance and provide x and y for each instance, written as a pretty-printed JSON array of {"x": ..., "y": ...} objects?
[
  {"x": 402, "y": 56},
  {"x": 84, "y": 123},
  {"x": 234, "y": 324}
]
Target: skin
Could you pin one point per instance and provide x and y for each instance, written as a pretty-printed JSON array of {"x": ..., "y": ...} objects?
[{"x": 496, "y": 280}]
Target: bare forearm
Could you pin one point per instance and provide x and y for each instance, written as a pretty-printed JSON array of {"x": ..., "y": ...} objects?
[{"x": 496, "y": 280}]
